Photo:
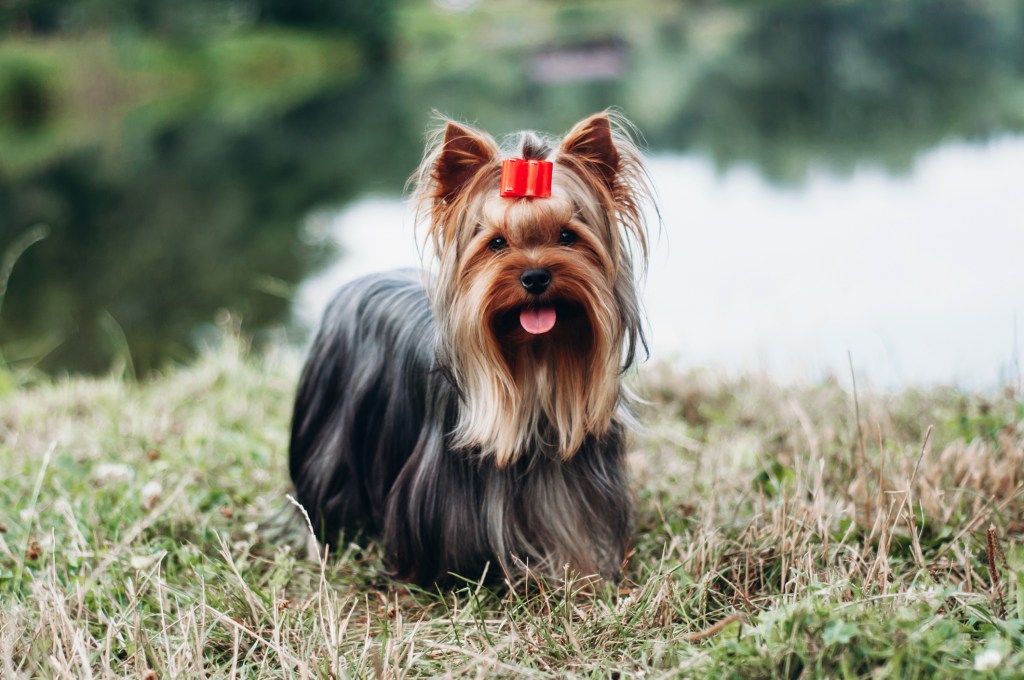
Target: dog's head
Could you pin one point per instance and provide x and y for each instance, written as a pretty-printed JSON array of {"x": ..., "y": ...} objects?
[{"x": 536, "y": 297}]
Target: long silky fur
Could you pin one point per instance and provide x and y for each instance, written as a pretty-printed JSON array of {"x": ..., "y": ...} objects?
[{"x": 413, "y": 422}]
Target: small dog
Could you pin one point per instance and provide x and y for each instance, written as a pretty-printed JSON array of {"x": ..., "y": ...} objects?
[{"x": 479, "y": 420}]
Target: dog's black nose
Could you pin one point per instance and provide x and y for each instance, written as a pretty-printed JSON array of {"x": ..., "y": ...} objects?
[{"x": 536, "y": 281}]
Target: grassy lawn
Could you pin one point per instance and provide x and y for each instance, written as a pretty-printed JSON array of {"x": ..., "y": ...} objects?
[{"x": 783, "y": 532}]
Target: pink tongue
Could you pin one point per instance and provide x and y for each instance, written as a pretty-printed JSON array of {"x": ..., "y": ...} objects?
[{"x": 537, "y": 320}]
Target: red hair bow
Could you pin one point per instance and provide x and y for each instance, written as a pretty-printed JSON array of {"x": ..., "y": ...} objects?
[{"x": 522, "y": 178}]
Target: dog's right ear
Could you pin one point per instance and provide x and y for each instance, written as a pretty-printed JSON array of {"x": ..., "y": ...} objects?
[{"x": 464, "y": 152}]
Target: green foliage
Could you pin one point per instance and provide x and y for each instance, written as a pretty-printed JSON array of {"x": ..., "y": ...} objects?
[
  {"x": 26, "y": 92},
  {"x": 188, "y": 20},
  {"x": 233, "y": 152},
  {"x": 776, "y": 480},
  {"x": 7, "y": 383},
  {"x": 914, "y": 638}
]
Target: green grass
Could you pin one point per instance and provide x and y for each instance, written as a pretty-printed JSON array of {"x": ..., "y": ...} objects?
[{"x": 779, "y": 536}]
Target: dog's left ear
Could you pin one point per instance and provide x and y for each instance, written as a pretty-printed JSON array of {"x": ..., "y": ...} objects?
[
  {"x": 591, "y": 144},
  {"x": 463, "y": 153}
]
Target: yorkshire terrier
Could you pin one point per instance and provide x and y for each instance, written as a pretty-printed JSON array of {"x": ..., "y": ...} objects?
[{"x": 474, "y": 418}]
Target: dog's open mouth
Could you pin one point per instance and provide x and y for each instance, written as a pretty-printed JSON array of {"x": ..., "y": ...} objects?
[
  {"x": 538, "y": 320},
  {"x": 535, "y": 320}
]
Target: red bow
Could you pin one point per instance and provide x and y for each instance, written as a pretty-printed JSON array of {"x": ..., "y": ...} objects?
[{"x": 521, "y": 178}]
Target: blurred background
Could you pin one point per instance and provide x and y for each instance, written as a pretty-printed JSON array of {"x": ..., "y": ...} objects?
[{"x": 837, "y": 179}]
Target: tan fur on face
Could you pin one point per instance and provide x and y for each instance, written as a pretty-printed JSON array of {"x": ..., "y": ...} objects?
[{"x": 535, "y": 394}]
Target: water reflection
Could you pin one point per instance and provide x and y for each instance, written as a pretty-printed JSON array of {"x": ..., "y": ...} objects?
[
  {"x": 147, "y": 245},
  {"x": 916, "y": 277}
]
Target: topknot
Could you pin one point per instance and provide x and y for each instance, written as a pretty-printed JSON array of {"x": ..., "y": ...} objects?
[{"x": 532, "y": 147}]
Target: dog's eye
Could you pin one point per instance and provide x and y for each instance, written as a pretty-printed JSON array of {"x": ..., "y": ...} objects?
[
  {"x": 566, "y": 237},
  {"x": 498, "y": 243}
]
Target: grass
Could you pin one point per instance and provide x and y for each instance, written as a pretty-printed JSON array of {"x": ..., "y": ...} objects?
[{"x": 783, "y": 532}]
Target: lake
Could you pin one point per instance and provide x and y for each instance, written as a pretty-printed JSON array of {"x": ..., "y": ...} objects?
[{"x": 836, "y": 181}]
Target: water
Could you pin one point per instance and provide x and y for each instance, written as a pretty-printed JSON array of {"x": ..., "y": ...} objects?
[
  {"x": 833, "y": 178},
  {"x": 917, "y": 277}
]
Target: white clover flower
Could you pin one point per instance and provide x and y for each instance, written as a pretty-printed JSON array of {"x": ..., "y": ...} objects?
[
  {"x": 115, "y": 473},
  {"x": 624, "y": 603},
  {"x": 988, "y": 660}
]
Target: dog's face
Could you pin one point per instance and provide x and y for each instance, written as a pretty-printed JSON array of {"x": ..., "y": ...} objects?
[{"x": 536, "y": 299}]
